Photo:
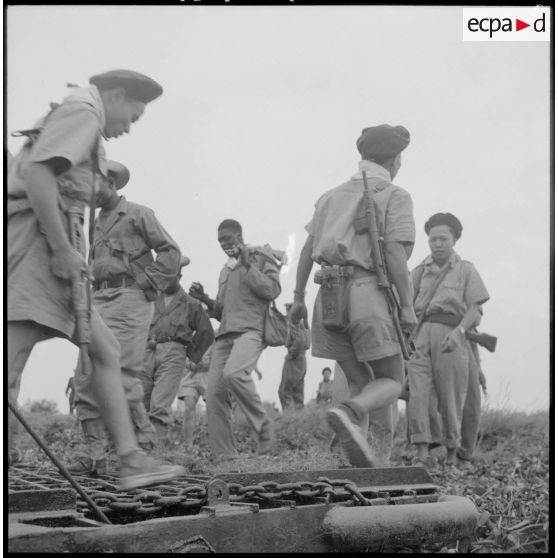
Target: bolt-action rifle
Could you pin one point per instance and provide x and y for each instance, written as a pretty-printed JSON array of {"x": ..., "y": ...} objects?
[{"x": 380, "y": 267}]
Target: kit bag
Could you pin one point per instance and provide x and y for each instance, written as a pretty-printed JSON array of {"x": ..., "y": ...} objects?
[{"x": 275, "y": 327}]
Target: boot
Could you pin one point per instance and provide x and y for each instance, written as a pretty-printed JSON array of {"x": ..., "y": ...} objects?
[
  {"x": 139, "y": 469},
  {"x": 84, "y": 465},
  {"x": 145, "y": 433},
  {"x": 95, "y": 462},
  {"x": 162, "y": 434}
]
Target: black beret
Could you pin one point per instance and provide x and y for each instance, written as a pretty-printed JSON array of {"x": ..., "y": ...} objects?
[
  {"x": 448, "y": 219},
  {"x": 382, "y": 142},
  {"x": 136, "y": 85}
]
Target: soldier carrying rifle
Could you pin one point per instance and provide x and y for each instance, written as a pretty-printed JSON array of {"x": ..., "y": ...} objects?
[
  {"x": 50, "y": 183},
  {"x": 448, "y": 296},
  {"x": 356, "y": 321}
]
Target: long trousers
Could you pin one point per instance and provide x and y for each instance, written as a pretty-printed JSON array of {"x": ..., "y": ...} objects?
[
  {"x": 291, "y": 388},
  {"x": 233, "y": 358}
]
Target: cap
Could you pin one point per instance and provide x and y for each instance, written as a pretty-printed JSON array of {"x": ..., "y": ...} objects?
[
  {"x": 448, "y": 219},
  {"x": 120, "y": 172}
]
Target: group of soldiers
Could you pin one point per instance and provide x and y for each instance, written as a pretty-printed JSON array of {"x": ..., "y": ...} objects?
[{"x": 144, "y": 329}]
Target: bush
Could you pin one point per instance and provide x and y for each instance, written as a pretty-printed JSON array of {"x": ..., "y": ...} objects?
[{"x": 42, "y": 406}]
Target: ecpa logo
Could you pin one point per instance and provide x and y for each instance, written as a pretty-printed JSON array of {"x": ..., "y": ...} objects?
[{"x": 506, "y": 24}]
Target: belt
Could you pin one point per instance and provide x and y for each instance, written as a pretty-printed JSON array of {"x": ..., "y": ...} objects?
[
  {"x": 446, "y": 319},
  {"x": 168, "y": 340},
  {"x": 124, "y": 281},
  {"x": 347, "y": 271}
]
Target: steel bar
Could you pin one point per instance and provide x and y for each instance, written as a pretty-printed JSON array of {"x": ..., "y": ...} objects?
[{"x": 59, "y": 465}]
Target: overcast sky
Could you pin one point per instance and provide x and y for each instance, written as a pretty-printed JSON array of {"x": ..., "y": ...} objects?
[{"x": 260, "y": 114}]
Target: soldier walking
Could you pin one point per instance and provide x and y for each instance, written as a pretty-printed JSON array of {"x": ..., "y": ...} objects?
[
  {"x": 361, "y": 335},
  {"x": 180, "y": 328},
  {"x": 248, "y": 282},
  {"x": 53, "y": 173}
]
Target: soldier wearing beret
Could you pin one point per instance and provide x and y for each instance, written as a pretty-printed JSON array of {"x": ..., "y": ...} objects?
[
  {"x": 126, "y": 279},
  {"x": 366, "y": 340},
  {"x": 53, "y": 172},
  {"x": 180, "y": 329},
  {"x": 444, "y": 361}
]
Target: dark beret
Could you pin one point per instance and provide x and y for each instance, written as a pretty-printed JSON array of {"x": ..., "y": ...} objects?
[
  {"x": 448, "y": 219},
  {"x": 382, "y": 142},
  {"x": 137, "y": 86}
]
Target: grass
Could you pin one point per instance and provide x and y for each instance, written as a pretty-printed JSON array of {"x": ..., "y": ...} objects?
[{"x": 508, "y": 480}]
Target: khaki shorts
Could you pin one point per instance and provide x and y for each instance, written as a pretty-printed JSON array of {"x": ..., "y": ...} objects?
[
  {"x": 370, "y": 334},
  {"x": 193, "y": 384}
]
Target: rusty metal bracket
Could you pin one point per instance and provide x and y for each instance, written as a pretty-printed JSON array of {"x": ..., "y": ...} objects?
[{"x": 218, "y": 500}]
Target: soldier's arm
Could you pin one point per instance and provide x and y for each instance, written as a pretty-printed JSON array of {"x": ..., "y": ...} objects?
[
  {"x": 42, "y": 191},
  {"x": 203, "y": 336},
  {"x": 264, "y": 283},
  {"x": 163, "y": 271},
  {"x": 396, "y": 263}
]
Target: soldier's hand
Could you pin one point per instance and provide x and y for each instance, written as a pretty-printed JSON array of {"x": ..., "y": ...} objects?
[
  {"x": 451, "y": 340},
  {"x": 196, "y": 290},
  {"x": 408, "y": 319},
  {"x": 68, "y": 264},
  {"x": 298, "y": 312}
]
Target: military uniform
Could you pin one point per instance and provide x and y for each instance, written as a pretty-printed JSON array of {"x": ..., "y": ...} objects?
[
  {"x": 125, "y": 279},
  {"x": 180, "y": 328},
  {"x": 241, "y": 303},
  {"x": 291, "y": 388},
  {"x": 448, "y": 373},
  {"x": 370, "y": 334}
]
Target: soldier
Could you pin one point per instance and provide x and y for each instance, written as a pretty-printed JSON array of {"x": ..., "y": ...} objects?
[
  {"x": 53, "y": 172},
  {"x": 248, "y": 282},
  {"x": 180, "y": 328},
  {"x": 192, "y": 387},
  {"x": 126, "y": 278},
  {"x": 361, "y": 335},
  {"x": 71, "y": 394},
  {"x": 444, "y": 361},
  {"x": 325, "y": 387},
  {"x": 291, "y": 388}
]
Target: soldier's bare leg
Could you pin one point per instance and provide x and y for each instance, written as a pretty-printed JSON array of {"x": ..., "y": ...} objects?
[
  {"x": 188, "y": 423},
  {"x": 22, "y": 337}
]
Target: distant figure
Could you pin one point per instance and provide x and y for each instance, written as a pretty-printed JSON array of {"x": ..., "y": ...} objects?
[
  {"x": 291, "y": 388},
  {"x": 192, "y": 387},
  {"x": 325, "y": 388},
  {"x": 71, "y": 394}
]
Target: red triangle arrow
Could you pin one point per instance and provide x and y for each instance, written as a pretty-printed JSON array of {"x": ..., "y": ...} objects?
[{"x": 519, "y": 25}]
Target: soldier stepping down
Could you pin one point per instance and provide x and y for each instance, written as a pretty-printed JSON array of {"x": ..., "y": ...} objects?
[
  {"x": 51, "y": 180},
  {"x": 355, "y": 321}
]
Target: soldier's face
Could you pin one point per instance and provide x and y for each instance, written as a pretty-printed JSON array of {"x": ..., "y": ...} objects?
[
  {"x": 441, "y": 242},
  {"x": 106, "y": 190},
  {"x": 230, "y": 241},
  {"x": 120, "y": 113}
]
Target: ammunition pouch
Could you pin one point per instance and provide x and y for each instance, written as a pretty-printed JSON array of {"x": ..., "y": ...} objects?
[{"x": 334, "y": 288}]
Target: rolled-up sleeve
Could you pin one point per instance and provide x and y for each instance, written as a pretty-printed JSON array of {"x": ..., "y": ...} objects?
[
  {"x": 475, "y": 290},
  {"x": 164, "y": 269},
  {"x": 400, "y": 223}
]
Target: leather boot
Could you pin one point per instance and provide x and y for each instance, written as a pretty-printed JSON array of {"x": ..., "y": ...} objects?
[{"x": 95, "y": 462}]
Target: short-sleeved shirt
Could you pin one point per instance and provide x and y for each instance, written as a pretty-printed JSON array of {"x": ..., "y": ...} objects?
[
  {"x": 336, "y": 240},
  {"x": 71, "y": 132},
  {"x": 461, "y": 287}
]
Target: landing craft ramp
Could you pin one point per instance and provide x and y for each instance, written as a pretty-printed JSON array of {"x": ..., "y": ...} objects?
[{"x": 304, "y": 511}]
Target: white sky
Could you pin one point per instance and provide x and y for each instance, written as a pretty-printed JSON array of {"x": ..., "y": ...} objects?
[{"x": 260, "y": 114}]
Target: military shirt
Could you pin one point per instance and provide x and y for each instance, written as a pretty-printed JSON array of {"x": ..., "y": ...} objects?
[
  {"x": 460, "y": 288},
  {"x": 71, "y": 131},
  {"x": 124, "y": 238},
  {"x": 335, "y": 238},
  {"x": 244, "y": 294},
  {"x": 183, "y": 320}
]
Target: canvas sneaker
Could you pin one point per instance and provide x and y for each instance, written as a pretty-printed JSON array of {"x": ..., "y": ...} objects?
[
  {"x": 350, "y": 437},
  {"x": 139, "y": 469}
]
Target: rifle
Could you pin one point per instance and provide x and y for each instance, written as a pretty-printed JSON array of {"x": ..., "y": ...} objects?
[
  {"x": 380, "y": 267},
  {"x": 81, "y": 294},
  {"x": 483, "y": 339}
]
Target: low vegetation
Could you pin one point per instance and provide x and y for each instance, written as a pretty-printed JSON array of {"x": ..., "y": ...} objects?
[{"x": 508, "y": 480}]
